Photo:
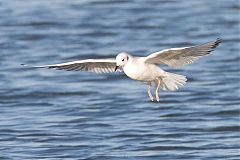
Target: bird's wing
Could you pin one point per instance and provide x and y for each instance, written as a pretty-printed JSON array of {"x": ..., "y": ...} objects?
[
  {"x": 177, "y": 57},
  {"x": 90, "y": 65}
]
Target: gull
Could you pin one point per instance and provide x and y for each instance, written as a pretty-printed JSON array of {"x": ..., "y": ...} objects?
[{"x": 145, "y": 69}]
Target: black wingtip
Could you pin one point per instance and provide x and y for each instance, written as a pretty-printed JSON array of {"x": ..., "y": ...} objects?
[
  {"x": 23, "y": 65},
  {"x": 217, "y": 42}
]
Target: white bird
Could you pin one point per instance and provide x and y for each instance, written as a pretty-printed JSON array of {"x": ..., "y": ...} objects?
[{"x": 145, "y": 69}]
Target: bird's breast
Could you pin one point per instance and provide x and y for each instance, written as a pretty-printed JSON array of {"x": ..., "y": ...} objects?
[{"x": 139, "y": 72}]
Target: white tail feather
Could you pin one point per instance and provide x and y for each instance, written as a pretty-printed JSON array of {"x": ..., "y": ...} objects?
[{"x": 172, "y": 81}]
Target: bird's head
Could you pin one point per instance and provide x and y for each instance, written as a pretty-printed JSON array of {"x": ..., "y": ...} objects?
[{"x": 121, "y": 60}]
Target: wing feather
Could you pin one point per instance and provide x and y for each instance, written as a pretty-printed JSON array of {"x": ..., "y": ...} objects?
[
  {"x": 90, "y": 65},
  {"x": 177, "y": 57}
]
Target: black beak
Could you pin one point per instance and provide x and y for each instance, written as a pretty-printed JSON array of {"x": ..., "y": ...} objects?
[{"x": 116, "y": 68}]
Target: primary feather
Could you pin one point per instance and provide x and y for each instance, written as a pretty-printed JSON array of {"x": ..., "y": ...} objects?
[
  {"x": 177, "y": 57},
  {"x": 90, "y": 65}
]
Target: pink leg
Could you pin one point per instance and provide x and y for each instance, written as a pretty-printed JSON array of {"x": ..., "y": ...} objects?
[
  {"x": 156, "y": 91},
  {"x": 149, "y": 92}
]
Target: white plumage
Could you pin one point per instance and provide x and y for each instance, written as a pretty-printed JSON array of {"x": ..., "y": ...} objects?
[
  {"x": 177, "y": 57},
  {"x": 91, "y": 65},
  {"x": 145, "y": 69}
]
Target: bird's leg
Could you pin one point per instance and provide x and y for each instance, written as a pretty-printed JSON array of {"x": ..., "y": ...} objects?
[
  {"x": 149, "y": 92},
  {"x": 156, "y": 91}
]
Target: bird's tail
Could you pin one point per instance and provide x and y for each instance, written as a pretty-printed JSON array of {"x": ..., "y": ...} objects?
[{"x": 172, "y": 81}]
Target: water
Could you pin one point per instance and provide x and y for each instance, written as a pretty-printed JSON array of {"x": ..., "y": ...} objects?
[{"x": 50, "y": 114}]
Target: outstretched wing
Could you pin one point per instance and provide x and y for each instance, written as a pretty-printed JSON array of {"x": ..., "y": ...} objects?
[
  {"x": 177, "y": 57},
  {"x": 90, "y": 65}
]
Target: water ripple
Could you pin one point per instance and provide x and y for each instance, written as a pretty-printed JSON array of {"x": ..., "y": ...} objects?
[{"x": 50, "y": 114}]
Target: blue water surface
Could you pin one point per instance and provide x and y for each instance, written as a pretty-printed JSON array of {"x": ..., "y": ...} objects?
[{"x": 50, "y": 114}]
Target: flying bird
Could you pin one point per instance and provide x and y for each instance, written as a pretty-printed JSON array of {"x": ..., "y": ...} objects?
[{"x": 145, "y": 69}]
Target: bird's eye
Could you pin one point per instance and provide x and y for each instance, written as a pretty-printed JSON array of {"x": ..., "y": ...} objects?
[{"x": 122, "y": 60}]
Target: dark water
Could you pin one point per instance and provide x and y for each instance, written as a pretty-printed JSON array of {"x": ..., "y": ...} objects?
[{"x": 49, "y": 114}]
